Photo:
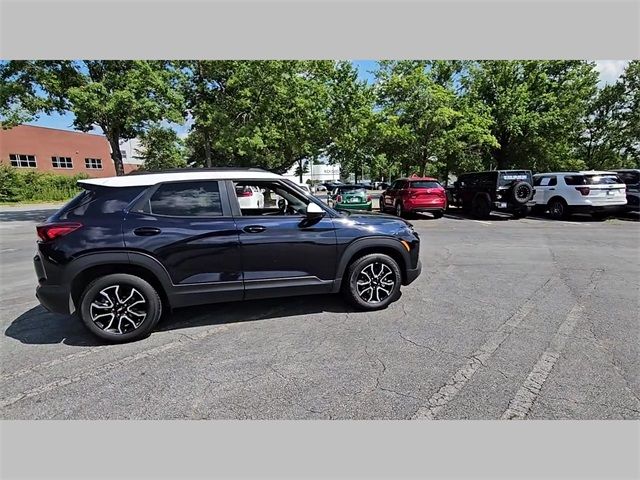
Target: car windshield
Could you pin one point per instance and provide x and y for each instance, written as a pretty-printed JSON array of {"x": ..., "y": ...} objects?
[
  {"x": 507, "y": 178},
  {"x": 424, "y": 184},
  {"x": 601, "y": 179},
  {"x": 351, "y": 190}
]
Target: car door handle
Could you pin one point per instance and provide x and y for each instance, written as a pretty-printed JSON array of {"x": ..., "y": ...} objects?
[
  {"x": 147, "y": 231},
  {"x": 552, "y": 189},
  {"x": 254, "y": 229}
]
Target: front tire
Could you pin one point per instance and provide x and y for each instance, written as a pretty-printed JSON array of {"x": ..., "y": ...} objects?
[
  {"x": 120, "y": 307},
  {"x": 372, "y": 282}
]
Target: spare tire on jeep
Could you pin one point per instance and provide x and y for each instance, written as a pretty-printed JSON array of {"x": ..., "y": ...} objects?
[{"x": 522, "y": 192}]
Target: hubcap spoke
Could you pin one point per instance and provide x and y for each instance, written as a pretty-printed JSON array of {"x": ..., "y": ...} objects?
[
  {"x": 118, "y": 309},
  {"x": 375, "y": 282}
]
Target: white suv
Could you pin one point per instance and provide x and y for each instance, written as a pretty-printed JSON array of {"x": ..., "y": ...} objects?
[{"x": 563, "y": 193}]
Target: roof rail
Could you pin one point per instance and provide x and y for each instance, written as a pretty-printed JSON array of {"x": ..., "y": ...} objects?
[{"x": 203, "y": 169}]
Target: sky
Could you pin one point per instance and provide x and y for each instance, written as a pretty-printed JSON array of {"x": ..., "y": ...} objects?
[{"x": 609, "y": 71}]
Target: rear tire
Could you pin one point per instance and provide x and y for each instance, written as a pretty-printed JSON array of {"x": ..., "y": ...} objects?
[
  {"x": 558, "y": 209},
  {"x": 120, "y": 307},
  {"x": 399, "y": 211},
  {"x": 372, "y": 282},
  {"x": 481, "y": 208},
  {"x": 438, "y": 214}
]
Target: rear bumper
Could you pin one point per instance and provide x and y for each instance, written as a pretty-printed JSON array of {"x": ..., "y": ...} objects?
[
  {"x": 412, "y": 274},
  {"x": 598, "y": 208},
  {"x": 354, "y": 206},
  {"x": 54, "y": 298},
  {"x": 409, "y": 206}
]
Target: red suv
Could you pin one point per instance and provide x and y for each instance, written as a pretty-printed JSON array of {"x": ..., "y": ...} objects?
[{"x": 415, "y": 194}]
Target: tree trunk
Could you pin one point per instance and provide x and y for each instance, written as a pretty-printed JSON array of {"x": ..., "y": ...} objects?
[
  {"x": 116, "y": 156},
  {"x": 207, "y": 149},
  {"x": 300, "y": 168}
]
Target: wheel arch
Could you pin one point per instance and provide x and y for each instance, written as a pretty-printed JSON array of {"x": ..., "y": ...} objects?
[
  {"x": 365, "y": 246},
  {"x": 87, "y": 268}
]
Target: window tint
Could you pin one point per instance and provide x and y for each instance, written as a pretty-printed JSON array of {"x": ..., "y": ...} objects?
[
  {"x": 424, "y": 184},
  {"x": 270, "y": 198},
  {"x": 507, "y": 178},
  {"x": 602, "y": 179},
  {"x": 575, "y": 180},
  {"x": 545, "y": 181},
  {"x": 351, "y": 189},
  {"x": 630, "y": 178},
  {"x": 100, "y": 201},
  {"x": 397, "y": 185},
  {"x": 187, "y": 199}
]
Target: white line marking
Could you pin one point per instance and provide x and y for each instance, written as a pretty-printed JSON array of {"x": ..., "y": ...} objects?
[
  {"x": 483, "y": 222},
  {"x": 111, "y": 366},
  {"x": 520, "y": 405},
  {"x": 448, "y": 391}
]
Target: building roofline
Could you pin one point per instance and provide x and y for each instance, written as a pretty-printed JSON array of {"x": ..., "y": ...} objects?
[{"x": 58, "y": 130}]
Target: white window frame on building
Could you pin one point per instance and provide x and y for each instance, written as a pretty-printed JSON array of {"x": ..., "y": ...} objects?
[
  {"x": 20, "y": 160},
  {"x": 93, "y": 163},
  {"x": 62, "y": 162}
]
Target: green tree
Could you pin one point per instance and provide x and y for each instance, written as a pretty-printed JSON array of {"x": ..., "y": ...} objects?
[
  {"x": 161, "y": 149},
  {"x": 430, "y": 125},
  {"x": 537, "y": 109},
  {"x": 631, "y": 114},
  {"x": 271, "y": 114},
  {"x": 121, "y": 97},
  {"x": 352, "y": 121}
]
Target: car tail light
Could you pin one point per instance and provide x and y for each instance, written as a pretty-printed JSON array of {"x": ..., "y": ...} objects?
[
  {"x": 368, "y": 198},
  {"x": 339, "y": 198},
  {"x": 583, "y": 190},
  {"x": 54, "y": 230}
]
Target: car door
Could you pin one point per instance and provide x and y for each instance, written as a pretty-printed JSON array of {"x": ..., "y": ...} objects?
[
  {"x": 188, "y": 228},
  {"x": 282, "y": 253},
  {"x": 545, "y": 188},
  {"x": 391, "y": 194}
]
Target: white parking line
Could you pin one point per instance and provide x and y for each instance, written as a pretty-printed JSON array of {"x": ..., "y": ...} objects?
[
  {"x": 456, "y": 217},
  {"x": 520, "y": 405},
  {"x": 449, "y": 390}
]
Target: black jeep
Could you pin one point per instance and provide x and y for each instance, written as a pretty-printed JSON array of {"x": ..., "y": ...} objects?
[{"x": 479, "y": 193}]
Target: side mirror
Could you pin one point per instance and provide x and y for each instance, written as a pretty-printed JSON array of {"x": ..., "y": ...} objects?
[{"x": 315, "y": 211}]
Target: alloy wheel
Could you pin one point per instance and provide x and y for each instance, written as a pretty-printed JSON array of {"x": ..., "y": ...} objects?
[
  {"x": 375, "y": 282},
  {"x": 556, "y": 209},
  {"x": 118, "y": 309}
]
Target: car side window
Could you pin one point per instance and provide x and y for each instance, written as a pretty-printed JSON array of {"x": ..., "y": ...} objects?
[
  {"x": 545, "y": 182},
  {"x": 186, "y": 199},
  {"x": 574, "y": 180},
  {"x": 269, "y": 198}
]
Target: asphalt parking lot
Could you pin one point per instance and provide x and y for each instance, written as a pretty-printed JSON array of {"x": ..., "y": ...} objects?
[{"x": 513, "y": 319}]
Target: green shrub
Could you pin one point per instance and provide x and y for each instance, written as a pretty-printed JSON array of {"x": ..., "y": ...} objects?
[{"x": 34, "y": 186}]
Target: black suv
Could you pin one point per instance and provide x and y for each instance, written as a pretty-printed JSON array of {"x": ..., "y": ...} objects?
[
  {"x": 479, "y": 193},
  {"x": 128, "y": 248}
]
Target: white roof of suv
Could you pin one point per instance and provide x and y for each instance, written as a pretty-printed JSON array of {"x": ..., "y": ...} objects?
[{"x": 147, "y": 179}]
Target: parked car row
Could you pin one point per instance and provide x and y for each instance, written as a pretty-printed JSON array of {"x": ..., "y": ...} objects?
[{"x": 517, "y": 192}]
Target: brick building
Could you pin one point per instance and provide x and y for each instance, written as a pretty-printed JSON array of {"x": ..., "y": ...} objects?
[{"x": 28, "y": 147}]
